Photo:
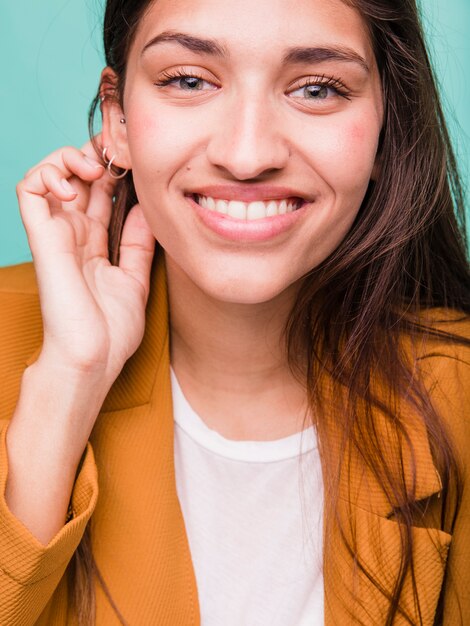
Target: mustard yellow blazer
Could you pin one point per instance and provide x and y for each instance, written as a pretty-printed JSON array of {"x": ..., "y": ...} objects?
[{"x": 139, "y": 538}]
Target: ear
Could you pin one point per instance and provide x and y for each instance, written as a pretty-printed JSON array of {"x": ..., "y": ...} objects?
[{"x": 114, "y": 132}]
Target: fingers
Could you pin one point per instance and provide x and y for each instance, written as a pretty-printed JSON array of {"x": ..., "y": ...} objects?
[
  {"x": 70, "y": 159},
  {"x": 32, "y": 190},
  {"x": 56, "y": 178},
  {"x": 137, "y": 247},
  {"x": 95, "y": 189}
]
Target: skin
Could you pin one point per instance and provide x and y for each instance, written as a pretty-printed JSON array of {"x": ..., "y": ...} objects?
[{"x": 250, "y": 124}]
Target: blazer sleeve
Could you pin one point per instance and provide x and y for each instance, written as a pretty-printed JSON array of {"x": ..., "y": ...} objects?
[{"x": 29, "y": 571}]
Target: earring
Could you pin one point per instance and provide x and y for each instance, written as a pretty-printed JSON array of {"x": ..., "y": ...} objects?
[
  {"x": 123, "y": 120},
  {"x": 110, "y": 165}
]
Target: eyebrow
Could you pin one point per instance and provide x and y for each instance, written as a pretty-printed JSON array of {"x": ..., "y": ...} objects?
[
  {"x": 190, "y": 42},
  {"x": 293, "y": 56},
  {"x": 319, "y": 54}
]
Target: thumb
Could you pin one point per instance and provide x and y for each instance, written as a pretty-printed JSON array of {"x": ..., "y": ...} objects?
[{"x": 137, "y": 247}]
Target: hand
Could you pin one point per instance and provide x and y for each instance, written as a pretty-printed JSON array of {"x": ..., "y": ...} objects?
[{"x": 93, "y": 312}]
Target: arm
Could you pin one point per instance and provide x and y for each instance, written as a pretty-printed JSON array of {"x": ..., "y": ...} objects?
[
  {"x": 31, "y": 572},
  {"x": 93, "y": 320},
  {"x": 93, "y": 317}
]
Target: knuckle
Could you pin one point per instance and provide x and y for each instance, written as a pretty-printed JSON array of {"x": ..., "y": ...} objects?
[
  {"x": 70, "y": 151},
  {"x": 20, "y": 187},
  {"x": 48, "y": 169}
]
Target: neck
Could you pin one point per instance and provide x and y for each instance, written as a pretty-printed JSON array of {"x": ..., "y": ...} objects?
[{"x": 230, "y": 360}]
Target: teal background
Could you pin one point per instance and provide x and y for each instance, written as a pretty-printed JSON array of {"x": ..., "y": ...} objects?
[{"x": 51, "y": 59}]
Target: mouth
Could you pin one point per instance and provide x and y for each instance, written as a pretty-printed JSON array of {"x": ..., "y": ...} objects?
[{"x": 249, "y": 211}]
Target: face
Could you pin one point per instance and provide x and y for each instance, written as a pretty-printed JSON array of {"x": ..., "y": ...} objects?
[{"x": 252, "y": 131}]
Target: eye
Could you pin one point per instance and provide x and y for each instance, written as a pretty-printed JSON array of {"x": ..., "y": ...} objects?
[
  {"x": 191, "y": 83},
  {"x": 315, "y": 92},
  {"x": 184, "y": 81},
  {"x": 320, "y": 89}
]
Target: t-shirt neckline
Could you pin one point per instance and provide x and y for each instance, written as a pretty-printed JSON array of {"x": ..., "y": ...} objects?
[{"x": 248, "y": 451}]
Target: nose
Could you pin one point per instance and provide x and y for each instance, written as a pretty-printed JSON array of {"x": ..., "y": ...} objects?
[{"x": 247, "y": 141}]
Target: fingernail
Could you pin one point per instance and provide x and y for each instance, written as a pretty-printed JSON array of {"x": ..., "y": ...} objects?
[
  {"x": 67, "y": 187},
  {"x": 92, "y": 162}
]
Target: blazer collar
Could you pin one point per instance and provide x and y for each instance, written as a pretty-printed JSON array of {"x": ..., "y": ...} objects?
[
  {"x": 360, "y": 486},
  {"x": 368, "y": 523}
]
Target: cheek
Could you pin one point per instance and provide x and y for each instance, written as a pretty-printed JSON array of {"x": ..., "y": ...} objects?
[
  {"x": 165, "y": 136},
  {"x": 345, "y": 152}
]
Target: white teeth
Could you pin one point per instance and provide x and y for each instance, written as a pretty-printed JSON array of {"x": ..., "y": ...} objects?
[
  {"x": 221, "y": 206},
  {"x": 210, "y": 203},
  {"x": 256, "y": 211},
  {"x": 248, "y": 210},
  {"x": 271, "y": 209},
  {"x": 237, "y": 209},
  {"x": 202, "y": 200}
]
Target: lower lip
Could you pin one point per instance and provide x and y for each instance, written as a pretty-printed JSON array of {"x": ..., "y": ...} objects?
[{"x": 246, "y": 231}]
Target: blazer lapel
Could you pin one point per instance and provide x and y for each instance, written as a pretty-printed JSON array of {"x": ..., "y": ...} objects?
[{"x": 368, "y": 522}]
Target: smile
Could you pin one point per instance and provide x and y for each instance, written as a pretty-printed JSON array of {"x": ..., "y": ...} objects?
[{"x": 255, "y": 210}]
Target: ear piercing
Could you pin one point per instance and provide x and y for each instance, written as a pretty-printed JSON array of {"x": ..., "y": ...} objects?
[
  {"x": 102, "y": 99},
  {"x": 109, "y": 165}
]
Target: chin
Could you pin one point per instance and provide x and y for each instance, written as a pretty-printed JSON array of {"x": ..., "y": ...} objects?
[{"x": 249, "y": 290}]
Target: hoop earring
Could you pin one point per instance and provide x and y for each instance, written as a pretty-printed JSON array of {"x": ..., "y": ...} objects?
[
  {"x": 110, "y": 165},
  {"x": 111, "y": 173}
]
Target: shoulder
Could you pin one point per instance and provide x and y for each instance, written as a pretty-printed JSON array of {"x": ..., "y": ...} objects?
[
  {"x": 444, "y": 364},
  {"x": 20, "y": 329},
  {"x": 444, "y": 353}
]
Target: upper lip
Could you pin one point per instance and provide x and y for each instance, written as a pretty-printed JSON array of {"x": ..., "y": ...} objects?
[{"x": 249, "y": 193}]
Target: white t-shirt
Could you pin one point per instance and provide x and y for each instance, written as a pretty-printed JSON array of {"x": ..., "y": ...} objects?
[{"x": 253, "y": 516}]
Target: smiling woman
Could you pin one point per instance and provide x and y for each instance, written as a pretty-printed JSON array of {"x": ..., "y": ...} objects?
[{"x": 272, "y": 401}]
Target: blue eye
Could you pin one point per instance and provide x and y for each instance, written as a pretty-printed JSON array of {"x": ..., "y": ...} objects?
[
  {"x": 321, "y": 89},
  {"x": 316, "y": 92},
  {"x": 182, "y": 81},
  {"x": 191, "y": 83}
]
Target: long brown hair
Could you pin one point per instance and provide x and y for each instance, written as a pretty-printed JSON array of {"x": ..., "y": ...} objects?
[{"x": 403, "y": 259}]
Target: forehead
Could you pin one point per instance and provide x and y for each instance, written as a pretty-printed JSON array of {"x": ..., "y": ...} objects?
[{"x": 259, "y": 26}]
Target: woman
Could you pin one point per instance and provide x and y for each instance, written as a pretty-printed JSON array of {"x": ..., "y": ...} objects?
[{"x": 309, "y": 289}]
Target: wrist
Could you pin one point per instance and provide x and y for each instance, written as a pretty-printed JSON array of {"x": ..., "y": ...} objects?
[{"x": 67, "y": 399}]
